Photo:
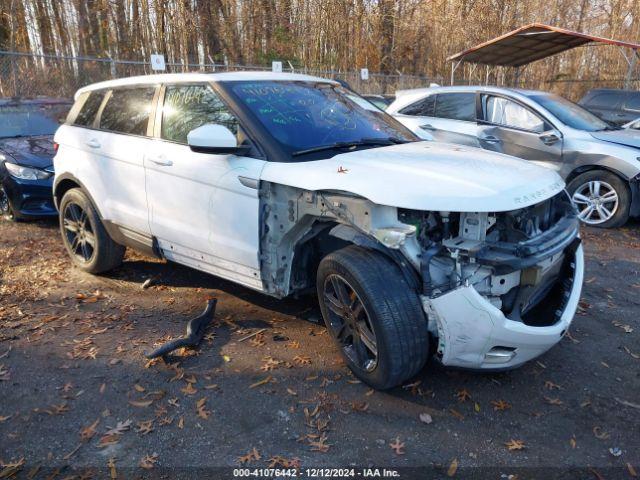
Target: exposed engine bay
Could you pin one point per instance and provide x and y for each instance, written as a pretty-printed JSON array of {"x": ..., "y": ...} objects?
[
  {"x": 474, "y": 271},
  {"x": 515, "y": 259}
]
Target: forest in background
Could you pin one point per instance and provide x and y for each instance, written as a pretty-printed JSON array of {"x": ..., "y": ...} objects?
[{"x": 388, "y": 36}]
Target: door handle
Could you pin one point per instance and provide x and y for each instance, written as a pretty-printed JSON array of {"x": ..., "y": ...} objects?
[
  {"x": 160, "y": 160},
  {"x": 491, "y": 139},
  {"x": 427, "y": 126},
  {"x": 93, "y": 143}
]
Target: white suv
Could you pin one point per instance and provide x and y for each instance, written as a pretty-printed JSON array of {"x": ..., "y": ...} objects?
[{"x": 286, "y": 183}]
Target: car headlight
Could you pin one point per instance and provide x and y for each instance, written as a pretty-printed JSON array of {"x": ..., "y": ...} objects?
[{"x": 26, "y": 173}]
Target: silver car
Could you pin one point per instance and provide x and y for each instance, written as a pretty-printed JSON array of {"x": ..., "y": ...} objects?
[{"x": 599, "y": 162}]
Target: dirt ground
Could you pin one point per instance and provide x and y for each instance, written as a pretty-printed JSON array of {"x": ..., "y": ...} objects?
[{"x": 78, "y": 399}]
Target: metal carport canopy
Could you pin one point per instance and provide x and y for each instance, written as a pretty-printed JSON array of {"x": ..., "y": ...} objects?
[{"x": 530, "y": 43}]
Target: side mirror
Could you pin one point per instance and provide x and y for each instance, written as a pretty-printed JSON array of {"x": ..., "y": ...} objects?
[
  {"x": 215, "y": 139},
  {"x": 550, "y": 137}
]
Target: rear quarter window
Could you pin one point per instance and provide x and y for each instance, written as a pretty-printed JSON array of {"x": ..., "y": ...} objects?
[
  {"x": 424, "y": 107},
  {"x": 127, "y": 110},
  {"x": 89, "y": 109}
]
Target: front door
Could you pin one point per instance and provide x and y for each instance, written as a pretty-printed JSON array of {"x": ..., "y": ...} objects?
[
  {"x": 510, "y": 127},
  {"x": 203, "y": 208}
]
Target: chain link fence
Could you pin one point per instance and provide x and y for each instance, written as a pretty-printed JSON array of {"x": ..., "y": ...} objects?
[{"x": 29, "y": 75}]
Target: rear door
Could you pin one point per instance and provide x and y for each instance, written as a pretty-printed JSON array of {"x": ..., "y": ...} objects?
[
  {"x": 418, "y": 114},
  {"x": 203, "y": 208},
  {"x": 510, "y": 127},
  {"x": 115, "y": 177},
  {"x": 74, "y": 152},
  {"x": 454, "y": 120},
  {"x": 443, "y": 117}
]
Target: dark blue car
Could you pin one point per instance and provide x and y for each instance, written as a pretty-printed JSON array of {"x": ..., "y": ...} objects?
[{"x": 26, "y": 156}]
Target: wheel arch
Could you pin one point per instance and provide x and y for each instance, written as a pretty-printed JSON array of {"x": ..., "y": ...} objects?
[
  {"x": 66, "y": 182},
  {"x": 299, "y": 228},
  {"x": 328, "y": 237},
  {"x": 588, "y": 168}
]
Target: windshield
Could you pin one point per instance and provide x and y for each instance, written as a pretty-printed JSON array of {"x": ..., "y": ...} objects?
[
  {"x": 303, "y": 116},
  {"x": 21, "y": 121},
  {"x": 571, "y": 114}
]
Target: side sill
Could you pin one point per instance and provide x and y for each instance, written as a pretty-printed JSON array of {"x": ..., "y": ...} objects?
[{"x": 129, "y": 238}]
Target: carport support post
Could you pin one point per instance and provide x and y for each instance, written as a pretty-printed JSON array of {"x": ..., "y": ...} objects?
[
  {"x": 630, "y": 68},
  {"x": 454, "y": 67}
]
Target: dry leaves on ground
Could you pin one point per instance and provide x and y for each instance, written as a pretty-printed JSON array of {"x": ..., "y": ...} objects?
[
  {"x": 189, "y": 390},
  {"x": 9, "y": 469},
  {"x": 149, "y": 461},
  {"x": 87, "y": 433},
  {"x": 252, "y": 455},
  {"x": 201, "y": 408},
  {"x": 302, "y": 360},
  {"x": 515, "y": 445},
  {"x": 141, "y": 403},
  {"x": 120, "y": 428},
  {"x": 500, "y": 405},
  {"x": 145, "y": 428},
  {"x": 463, "y": 395},
  {"x": 261, "y": 382},
  {"x": 397, "y": 446},
  {"x": 453, "y": 468},
  {"x": 279, "y": 461},
  {"x": 320, "y": 444}
]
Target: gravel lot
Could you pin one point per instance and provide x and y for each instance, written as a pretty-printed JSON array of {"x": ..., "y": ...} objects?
[{"x": 79, "y": 400}]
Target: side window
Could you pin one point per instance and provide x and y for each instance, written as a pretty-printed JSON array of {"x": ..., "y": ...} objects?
[
  {"x": 127, "y": 110},
  {"x": 456, "y": 106},
  {"x": 603, "y": 100},
  {"x": 90, "y": 108},
  {"x": 633, "y": 102},
  {"x": 190, "y": 106},
  {"x": 503, "y": 111},
  {"x": 422, "y": 108}
]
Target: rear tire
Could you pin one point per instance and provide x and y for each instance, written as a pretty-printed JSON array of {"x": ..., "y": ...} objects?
[
  {"x": 382, "y": 332},
  {"x": 89, "y": 245},
  {"x": 603, "y": 199}
]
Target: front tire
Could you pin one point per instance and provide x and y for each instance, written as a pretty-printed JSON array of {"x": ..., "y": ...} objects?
[
  {"x": 6, "y": 210},
  {"x": 89, "y": 245},
  {"x": 374, "y": 316},
  {"x": 602, "y": 198}
]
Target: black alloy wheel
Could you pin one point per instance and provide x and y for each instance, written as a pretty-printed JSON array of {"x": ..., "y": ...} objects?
[
  {"x": 350, "y": 323},
  {"x": 79, "y": 232}
]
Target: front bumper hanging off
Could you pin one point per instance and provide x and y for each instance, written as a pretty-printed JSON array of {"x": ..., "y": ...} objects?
[{"x": 475, "y": 334}]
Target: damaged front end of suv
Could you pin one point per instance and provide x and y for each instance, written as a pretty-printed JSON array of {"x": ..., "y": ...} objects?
[{"x": 497, "y": 288}]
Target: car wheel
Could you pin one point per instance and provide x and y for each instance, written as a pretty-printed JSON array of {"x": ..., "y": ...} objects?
[
  {"x": 602, "y": 198},
  {"x": 85, "y": 238},
  {"x": 373, "y": 315},
  {"x": 5, "y": 205}
]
